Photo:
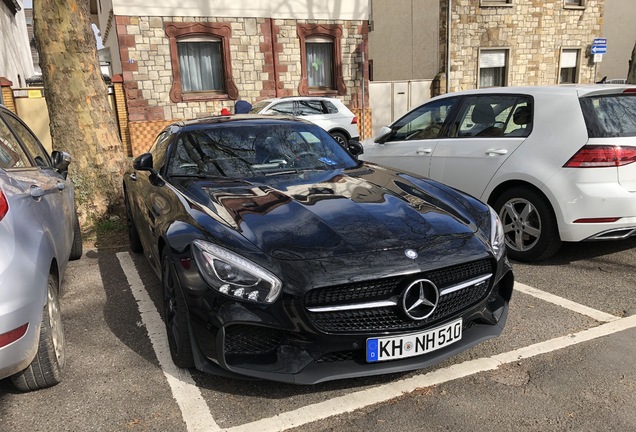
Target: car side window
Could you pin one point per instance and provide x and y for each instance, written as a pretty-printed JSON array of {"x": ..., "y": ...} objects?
[
  {"x": 12, "y": 155},
  {"x": 494, "y": 116},
  {"x": 331, "y": 108},
  {"x": 31, "y": 143},
  {"x": 159, "y": 150},
  {"x": 425, "y": 122},
  {"x": 283, "y": 108},
  {"x": 310, "y": 107}
]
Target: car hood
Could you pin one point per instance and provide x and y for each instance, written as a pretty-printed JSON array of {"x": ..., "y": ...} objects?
[{"x": 311, "y": 215}]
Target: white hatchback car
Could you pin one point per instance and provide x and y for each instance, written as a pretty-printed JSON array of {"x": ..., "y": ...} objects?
[
  {"x": 556, "y": 162},
  {"x": 328, "y": 113}
]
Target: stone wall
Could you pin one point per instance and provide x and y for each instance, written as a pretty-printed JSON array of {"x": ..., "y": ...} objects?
[
  {"x": 534, "y": 32},
  {"x": 265, "y": 62},
  {"x": 147, "y": 66}
]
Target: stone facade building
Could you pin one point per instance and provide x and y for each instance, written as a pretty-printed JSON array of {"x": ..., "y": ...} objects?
[
  {"x": 492, "y": 42},
  {"x": 259, "y": 49},
  {"x": 511, "y": 42}
]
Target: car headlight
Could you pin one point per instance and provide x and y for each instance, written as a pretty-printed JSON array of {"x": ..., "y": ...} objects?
[
  {"x": 233, "y": 275},
  {"x": 497, "y": 237}
]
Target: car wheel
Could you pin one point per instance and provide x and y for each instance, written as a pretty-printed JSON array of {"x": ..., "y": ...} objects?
[
  {"x": 340, "y": 138},
  {"x": 530, "y": 227},
  {"x": 133, "y": 234},
  {"x": 175, "y": 314},
  {"x": 76, "y": 248},
  {"x": 46, "y": 368}
]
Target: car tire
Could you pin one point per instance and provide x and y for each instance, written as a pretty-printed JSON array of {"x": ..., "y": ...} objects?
[
  {"x": 530, "y": 227},
  {"x": 175, "y": 314},
  {"x": 340, "y": 138},
  {"x": 46, "y": 368},
  {"x": 133, "y": 234},
  {"x": 76, "y": 248}
]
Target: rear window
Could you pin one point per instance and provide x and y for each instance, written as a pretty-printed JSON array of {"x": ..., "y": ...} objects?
[{"x": 610, "y": 115}]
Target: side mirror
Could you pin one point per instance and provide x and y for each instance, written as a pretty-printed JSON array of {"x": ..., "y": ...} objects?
[
  {"x": 144, "y": 163},
  {"x": 383, "y": 135},
  {"x": 61, "y": 161},
  {"x": 355, "y": 148}
]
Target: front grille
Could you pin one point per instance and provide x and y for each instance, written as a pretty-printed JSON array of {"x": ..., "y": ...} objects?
[
  {"x": 253, "y": 340},
  {"x": 391, "y": 317}
]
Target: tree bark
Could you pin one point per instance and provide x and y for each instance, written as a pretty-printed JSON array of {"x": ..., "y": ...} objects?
[
  {"x": 631, "y": 74},
  {"x": 82, "y": 120}
]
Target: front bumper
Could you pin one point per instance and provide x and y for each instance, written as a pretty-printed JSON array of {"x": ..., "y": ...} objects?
[{"x": 285, "y": 343}]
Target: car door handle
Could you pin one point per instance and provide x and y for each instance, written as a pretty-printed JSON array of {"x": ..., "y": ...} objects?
[
  {"x": 424, "y": 151},
  {"x": 496, "y": 152},
  {"x": 133, "y": 176},
  {"x": 36, "y": 192}
]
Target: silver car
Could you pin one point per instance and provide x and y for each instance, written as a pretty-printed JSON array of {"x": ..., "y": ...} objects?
[{"x": 39, "y": 233}]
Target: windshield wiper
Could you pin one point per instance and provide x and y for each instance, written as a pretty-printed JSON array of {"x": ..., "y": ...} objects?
[
  {"x": 199, "y": 176},
  {"x": 275, "y": 173}
]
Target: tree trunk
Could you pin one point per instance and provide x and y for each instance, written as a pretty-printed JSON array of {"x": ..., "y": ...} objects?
[
  {"x": 631, "y": 74},
  {"x": 82, "y": 120}
]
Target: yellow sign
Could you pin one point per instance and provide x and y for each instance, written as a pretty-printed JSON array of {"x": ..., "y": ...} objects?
[{"x": 34, "y": 94}]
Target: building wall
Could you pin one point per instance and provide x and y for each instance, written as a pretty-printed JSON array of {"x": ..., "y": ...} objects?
[
  {"x": 619, "y": 28},
  {"x": 533, "y": 31},
  {"x": 280, "y": 9},
  {"x": 147, "y": 68},
  {"x": 15, "y": 53},
  {"x": 403, "y": 42}
]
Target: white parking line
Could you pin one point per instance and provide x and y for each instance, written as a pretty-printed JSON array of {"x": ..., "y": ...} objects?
[
  {"x": 358, "y": 400},
  {"x": 565, "y": 303},
  {"x": 194, "y": 409},
  {"x": 198, "y": 417}
]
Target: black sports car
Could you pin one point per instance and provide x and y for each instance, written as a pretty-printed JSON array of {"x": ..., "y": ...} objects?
[{"x": 283, "y": 257}]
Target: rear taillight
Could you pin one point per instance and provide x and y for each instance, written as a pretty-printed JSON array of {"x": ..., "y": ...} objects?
[
  {"x": 599, "y": 156},
  {"x": 4, "y": 205},
  {"x": 630, "y": 90},
  {"x": 354, "y": 120},
  {"x": 13, "y": 335}
]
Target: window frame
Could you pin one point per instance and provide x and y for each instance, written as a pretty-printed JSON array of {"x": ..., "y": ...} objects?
[
  {"x": 331, "y": 31},
  {"x": 581, "y": 4},
  {"x": 181, "y": 30},
  {"x": 495, "y": 3},
  {"x": 577, "y": 68},
  {"x": 506, "y": 67}
]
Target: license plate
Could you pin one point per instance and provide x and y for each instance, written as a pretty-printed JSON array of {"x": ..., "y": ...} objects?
[{"x": 397, "y": 347}]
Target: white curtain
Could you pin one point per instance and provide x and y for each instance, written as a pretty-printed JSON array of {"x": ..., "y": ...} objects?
[
  {"x": 201, "y": 65},
  {"x": 319, "y": 64}
]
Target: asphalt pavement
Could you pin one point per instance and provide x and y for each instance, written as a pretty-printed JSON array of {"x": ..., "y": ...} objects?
[{"x": 564, "y": 362}]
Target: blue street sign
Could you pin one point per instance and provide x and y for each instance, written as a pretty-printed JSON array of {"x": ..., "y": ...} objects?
[
  {"x": 599, "y": 46},
  {"x": 599, "y": 49}
]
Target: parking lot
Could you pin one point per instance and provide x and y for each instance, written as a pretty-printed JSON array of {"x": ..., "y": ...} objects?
[{"x": 564, "y": 362}]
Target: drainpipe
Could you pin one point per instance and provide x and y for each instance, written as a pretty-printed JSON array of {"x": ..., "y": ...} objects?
[
  {"x": 448, "y": 46},
  {"x": 274, "y": 55},
  {"x": 363, "y": 114}
]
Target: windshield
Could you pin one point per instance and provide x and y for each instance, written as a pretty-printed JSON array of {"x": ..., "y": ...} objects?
[
  {"x": 610, "y": 115},
  {"x": 243, "y": 150}
]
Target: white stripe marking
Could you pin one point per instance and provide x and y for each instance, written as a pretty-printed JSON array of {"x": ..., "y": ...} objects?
[
  {"x": 194, "y": 409},
  {"x": 565, "y": 303},
  {"x": 383, "y": 393},
  {"x": 196, "y": 412}
]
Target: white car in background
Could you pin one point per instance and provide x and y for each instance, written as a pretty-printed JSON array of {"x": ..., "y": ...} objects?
[
  {"x": 555, "y": 162},
  {"x": 328, "y": 113}
]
